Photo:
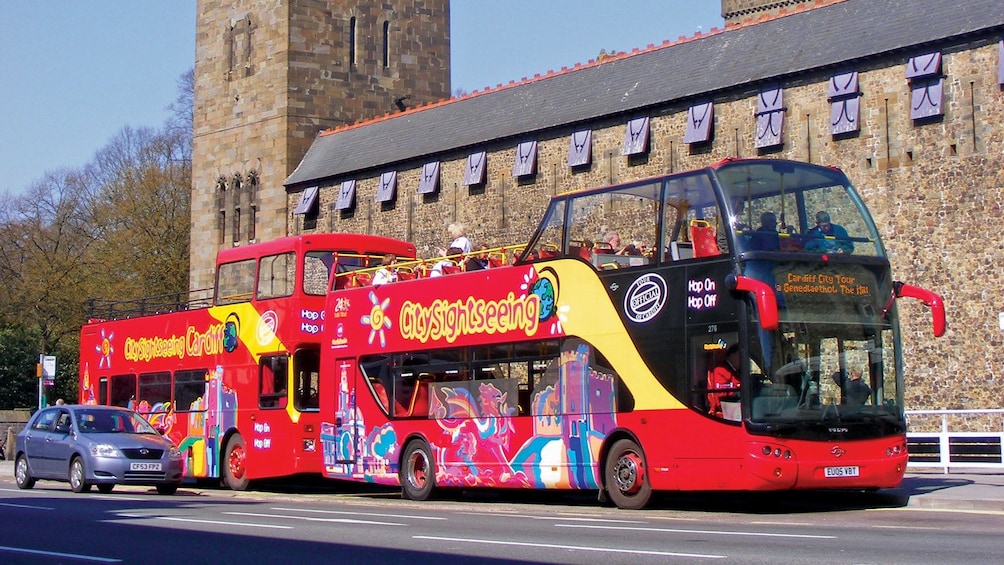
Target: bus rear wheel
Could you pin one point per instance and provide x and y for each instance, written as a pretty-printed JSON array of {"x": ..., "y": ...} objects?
[
  {"x": 235, "y": 474},
  {"x": 626, "y": 475},
  {"x": 418, "y": 472}
]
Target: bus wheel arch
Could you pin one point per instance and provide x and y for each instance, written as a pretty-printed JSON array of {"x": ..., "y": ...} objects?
[
  {"x": 626, "y": 472},
  {"x": 417, "y": 470},
  {"x": 233, "y": 463}
]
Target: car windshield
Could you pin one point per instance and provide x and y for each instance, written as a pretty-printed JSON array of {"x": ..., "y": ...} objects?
[{"x": 112, "y": 422}]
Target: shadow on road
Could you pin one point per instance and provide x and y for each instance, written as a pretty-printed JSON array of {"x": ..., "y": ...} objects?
[{"x": 782, "y": 502}]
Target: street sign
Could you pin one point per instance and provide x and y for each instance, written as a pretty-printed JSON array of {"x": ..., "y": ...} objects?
[{"x": 48, "y": 363}]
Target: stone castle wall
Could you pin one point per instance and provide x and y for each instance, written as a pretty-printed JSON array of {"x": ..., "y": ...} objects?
[{"x": 935, "y": 189}]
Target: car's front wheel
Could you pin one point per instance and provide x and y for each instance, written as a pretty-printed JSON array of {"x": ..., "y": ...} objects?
[
  {"x": 21, "y": 474},
  {"x": 167, "y": 489},
  {"x": 78, "y": 482}
]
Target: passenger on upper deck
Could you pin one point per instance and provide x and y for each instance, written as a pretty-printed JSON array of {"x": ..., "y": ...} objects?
[
  {"x": 386, "y": 273},
  {"x": 828, "y": 237},
  {"x": 765, "y": 237},
  {"x": 614, "y": 239},
  {"x": 443, "y": 265},
  {"x": 457, "y": 231},
  {"x": 479, "y": 261}
]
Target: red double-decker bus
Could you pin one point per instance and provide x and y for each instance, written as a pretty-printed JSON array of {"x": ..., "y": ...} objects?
[
  {"x": 231, "y": 374},
  {"x": 739, "y": 333}
]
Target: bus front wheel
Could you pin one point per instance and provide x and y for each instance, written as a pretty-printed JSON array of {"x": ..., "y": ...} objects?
[
  {"x": 418, "y": 473},
  {"x": 626, "y": 475},
  {"x": 235, "y": 474}
]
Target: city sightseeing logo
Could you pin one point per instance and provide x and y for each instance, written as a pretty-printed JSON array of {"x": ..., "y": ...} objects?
[
  {"x": 105, "y": 350},
  {"x": 377, "y": 319}
]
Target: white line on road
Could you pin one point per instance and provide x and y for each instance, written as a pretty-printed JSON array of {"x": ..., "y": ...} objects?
[
  {"x": 312, "y": 519},
  {"x": 950, "y": 510},
  {"x": 59, "y": 555},
  {"x": 558, "y": 517},
  {"x": 574, "y": 547},
  {"x": 29, "y": 506},
  {"x": 409, "y": 516},
  {"x": 213, "y": 522},
  {"x": 711, "y": 532}
]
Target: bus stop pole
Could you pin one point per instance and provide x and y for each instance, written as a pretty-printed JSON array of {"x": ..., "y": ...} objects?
[{"x": 41, "y": 387}]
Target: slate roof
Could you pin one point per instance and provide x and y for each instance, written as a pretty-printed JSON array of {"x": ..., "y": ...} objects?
[{"x": 834, "y": 35}]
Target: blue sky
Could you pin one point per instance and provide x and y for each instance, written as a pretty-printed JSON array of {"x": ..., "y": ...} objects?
[{"x": 74, "y": 73}]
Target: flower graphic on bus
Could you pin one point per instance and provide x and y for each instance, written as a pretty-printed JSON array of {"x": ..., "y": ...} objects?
[
  {"x": 377, "y": 319},
  {"x": 105, "y": 350}
]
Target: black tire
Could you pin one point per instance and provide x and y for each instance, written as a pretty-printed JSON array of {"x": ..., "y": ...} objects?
[
  {"x": 418, "y": 471},
  {"x": 626, "y": 475},
  {"x": 167, "y": 489},
  {"x": 78, "y": 476},
  {"x": 21, "y": 473},
  {"x": 235, "y": 472},
  {"x": 106, "y": 488}
]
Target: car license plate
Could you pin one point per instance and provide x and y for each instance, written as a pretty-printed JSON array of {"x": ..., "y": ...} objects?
[
  {"x": 144, "y": 466},
  {"x": 841, "y": 471}
]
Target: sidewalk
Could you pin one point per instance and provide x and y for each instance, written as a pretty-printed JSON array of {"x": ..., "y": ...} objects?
[
  {"x": 932, "y": 489},
  {"x": 970, "y": 490}
]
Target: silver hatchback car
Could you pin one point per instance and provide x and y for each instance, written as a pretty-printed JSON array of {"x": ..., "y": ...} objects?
[{"x": 95, "y": 445}]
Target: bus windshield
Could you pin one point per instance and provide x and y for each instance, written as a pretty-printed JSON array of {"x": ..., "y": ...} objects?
[
  {"x": 779, "y": 206},
  {"x": 827, "y": 374}
]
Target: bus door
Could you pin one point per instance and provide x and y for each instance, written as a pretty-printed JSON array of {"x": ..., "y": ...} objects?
[{"x": 348, "y": 420}]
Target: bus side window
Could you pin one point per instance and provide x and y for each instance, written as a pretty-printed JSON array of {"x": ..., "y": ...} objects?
[
  {"x": 122, "y": 390},
  {"x": 272, "y": 375},
  {"x": 306, "y": 368}
]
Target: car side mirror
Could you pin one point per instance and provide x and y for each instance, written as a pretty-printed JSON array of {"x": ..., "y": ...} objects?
[{"x": 63, "y": 428}]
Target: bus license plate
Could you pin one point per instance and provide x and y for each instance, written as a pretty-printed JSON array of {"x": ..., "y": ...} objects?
[
  {"x": 841, "y": 471},
  {"x": 144, "y": 466}
]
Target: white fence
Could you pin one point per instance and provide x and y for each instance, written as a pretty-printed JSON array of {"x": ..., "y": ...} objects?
[{"x": 953, "y": 438}]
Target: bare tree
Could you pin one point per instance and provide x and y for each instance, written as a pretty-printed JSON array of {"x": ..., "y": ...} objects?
[{"x": 117, "y": 229}]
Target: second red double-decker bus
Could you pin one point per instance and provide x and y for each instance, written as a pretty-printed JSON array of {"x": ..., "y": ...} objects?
[
  {"x": 739, "y": 333},
  {"x": 230, "y": 375}
]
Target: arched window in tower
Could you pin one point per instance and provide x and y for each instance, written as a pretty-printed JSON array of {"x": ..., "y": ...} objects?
[
  {"x": 235, "y": 191},
  {"x": 386, "y": 44},
  {"x": 221, "y": 206},
  {"x": 251, "y": 187},
  {"x": 352, "y": 42}
]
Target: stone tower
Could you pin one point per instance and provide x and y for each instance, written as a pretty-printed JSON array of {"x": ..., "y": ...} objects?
[
  {"x": 271, "y": 74},
  {"x": 735, "y": 11}
]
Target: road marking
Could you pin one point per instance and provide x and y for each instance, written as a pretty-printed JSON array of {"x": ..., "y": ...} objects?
[
  {"x": 574, "y": 547},
  {"x": 311, "y": 519},
  {"x": 29, "y": 506},
  {"x": 213, "y": 522},
  {"x": 360, "y": 513},
  {"x": 951, "y": 510},
  {"x": 712, "y": 532},
  {"x": 558, "y": 517},
  {"x": 58, "y": 554}
]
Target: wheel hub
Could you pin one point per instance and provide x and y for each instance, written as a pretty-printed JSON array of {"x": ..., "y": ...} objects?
[{"x": 629, "y": 473}]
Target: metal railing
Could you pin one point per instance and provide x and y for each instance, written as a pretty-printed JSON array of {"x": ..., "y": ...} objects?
[{"x": 955, "y": 438}]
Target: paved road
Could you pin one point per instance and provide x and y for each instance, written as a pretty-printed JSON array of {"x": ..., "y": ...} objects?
[
  {"x": 929, "y": 489},
  {"x": 932, "y": 518}
]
